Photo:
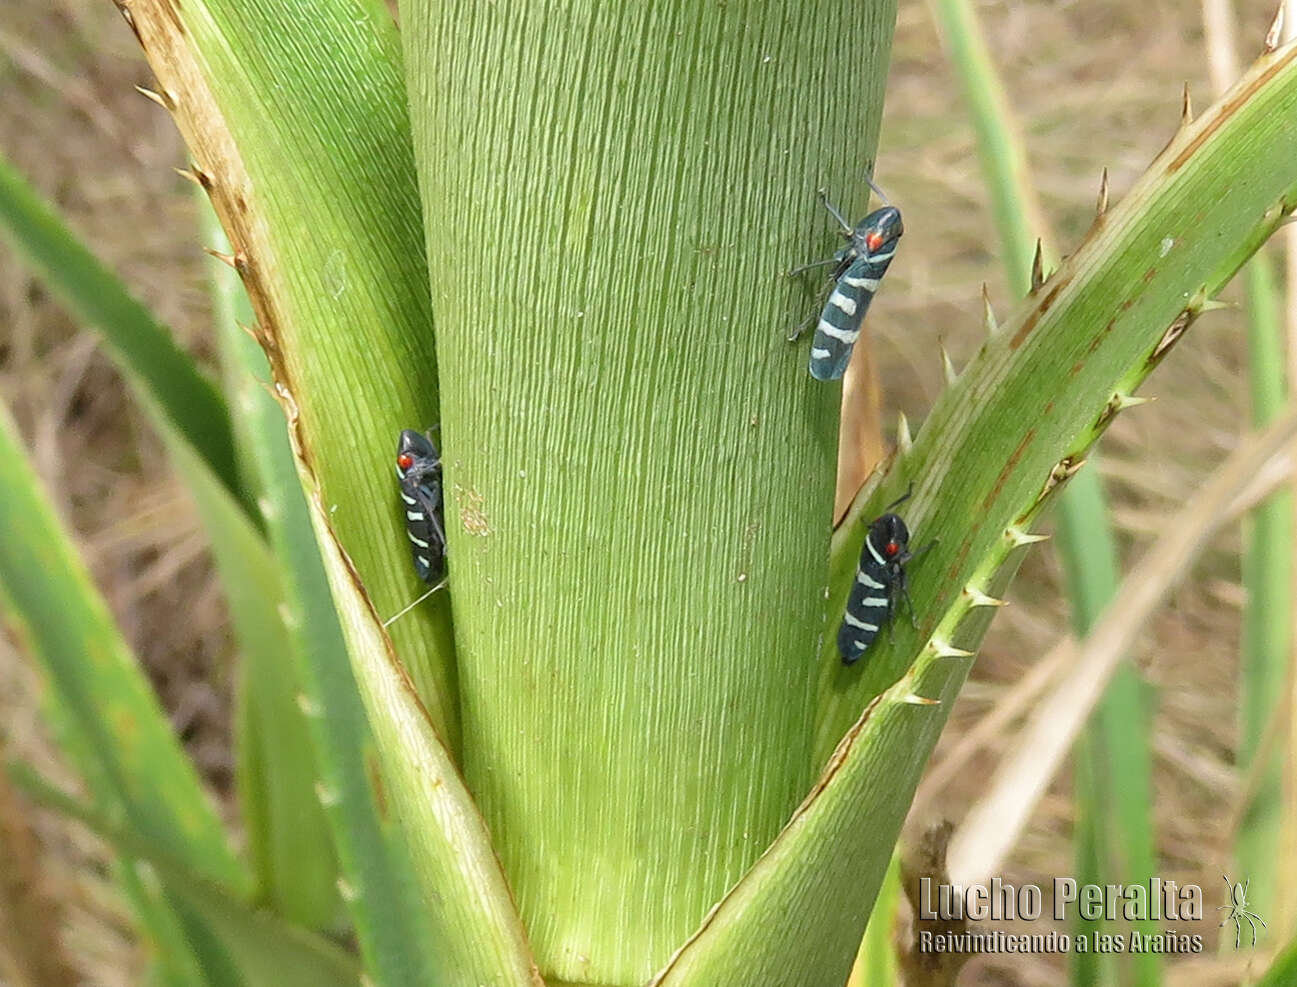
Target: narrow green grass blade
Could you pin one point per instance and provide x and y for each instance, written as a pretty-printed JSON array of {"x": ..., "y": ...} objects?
[
  {"x": 380, "y": 894},
  {"x": 998, "y": 445},
  {"x": 299, "y": 878},
  {"x": 295, "y": 116},
  {"x": 288, "y": 838},
  {"x": 1114, "y": 792},
  {"x": 246, "y": 946},
  {"x": 130, "y": 758},
  {"x": 107, "y": 717},
  {"x": 641, "y": 469},
  {"x": 1267, "y": 616},
  {"x": 1118, "y": 783},
  {"x": 161, "y": 373}
]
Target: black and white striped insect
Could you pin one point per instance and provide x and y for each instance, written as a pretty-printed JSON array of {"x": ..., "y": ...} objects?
[
  {"x": 860, "y": 266},
  {"x": 879, "y": 586},
  {"x": 418, "y": 468}
]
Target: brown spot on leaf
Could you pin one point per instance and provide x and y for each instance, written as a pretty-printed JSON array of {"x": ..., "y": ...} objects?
[
  {"x": 376, "y": 784},
  {"x": 1032, "y": 319},
  {"x": 1172, "y": 335},
  {"x": 472, "y": 512},
  {"x": 1009, "y": 467}
]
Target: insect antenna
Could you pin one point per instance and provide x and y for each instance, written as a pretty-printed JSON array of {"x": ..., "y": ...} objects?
[
  {"x": 411, "y": 606},
  {"x": 886, "y": 201},
  {"x": 901, "y": 499}
]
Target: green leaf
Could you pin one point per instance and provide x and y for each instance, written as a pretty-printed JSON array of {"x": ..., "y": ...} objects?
[
  {"x": 107, "y": 716},
  {"x": 300, "y": 878},
  {"x": 240, "y": 945},
  {"x": 640, "y": 469},
  {"x": 133, "y": 761},
  {"x": 163, "y": 376},
  {"x": 294, "y": 114}
]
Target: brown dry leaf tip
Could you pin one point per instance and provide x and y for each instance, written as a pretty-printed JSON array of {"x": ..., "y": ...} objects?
[
  {"x": 947, "y": 365},
  {"x": 196, "y": 175},
  {"x": 1275, "y": 34},
  {"x": 1101, "y": 207},
  {"x": 1186, "y": 108},
  {"x": 988, "y": 314},
  {"x": 1038, "y": 267},
  {"x": 1062, "y": 471}
]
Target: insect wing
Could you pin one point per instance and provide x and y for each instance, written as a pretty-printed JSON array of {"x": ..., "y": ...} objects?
[{"x": 423, "y": 526}]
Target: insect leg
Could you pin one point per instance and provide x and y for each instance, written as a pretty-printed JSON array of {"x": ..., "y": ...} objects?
[
  {"x": 824, "y": 198},
  {"x": 808, "y": 267}
]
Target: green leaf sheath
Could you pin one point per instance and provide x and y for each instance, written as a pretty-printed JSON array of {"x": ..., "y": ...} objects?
[
  {"x": 163, "y": 376},
  {"x": 295, "y": 117},
  {"x": 640, "y": 468}
]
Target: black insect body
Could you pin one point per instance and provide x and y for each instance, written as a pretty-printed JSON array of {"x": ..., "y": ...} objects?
[
  {"x": 418, "y": 467},
  {"x": 859, "y": 268},
  {"x": 879, "y": 586}
]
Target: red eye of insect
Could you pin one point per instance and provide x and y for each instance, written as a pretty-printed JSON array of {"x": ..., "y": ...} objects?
[
  {"x": 405, "y": 460},
  {"x": 891, "y": 548},
  {"x": 873, "y": 240}
]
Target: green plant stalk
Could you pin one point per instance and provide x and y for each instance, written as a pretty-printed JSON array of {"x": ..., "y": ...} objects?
[
  {"x": 295, "y": 118},
  {"x": 1267, "y": 628},
  {"x": 239, "y": 944},
  {"x": 161, "y": 373},
  {"x": 1004, "y": 162},
  {"x": 380, "y": 895},
  {"x": 640, "y": 468},
  {"x": 1115, "y": 838},
  {"x": 1120, "y": 777},
  {"x": 999, "y": 443}
]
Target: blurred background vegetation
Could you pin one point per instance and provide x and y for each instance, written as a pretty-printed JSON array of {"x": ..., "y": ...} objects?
[{"x": 1093, "y": 84}]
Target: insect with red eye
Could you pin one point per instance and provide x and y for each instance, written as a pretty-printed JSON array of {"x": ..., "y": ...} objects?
[
  {"x": 418, "y": 468},
  {"x": 860, "y": 266},
  {"x": 879, "y": 586}
]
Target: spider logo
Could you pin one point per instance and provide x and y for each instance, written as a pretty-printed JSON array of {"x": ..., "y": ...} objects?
[{"x": 1236, "y": 911}]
